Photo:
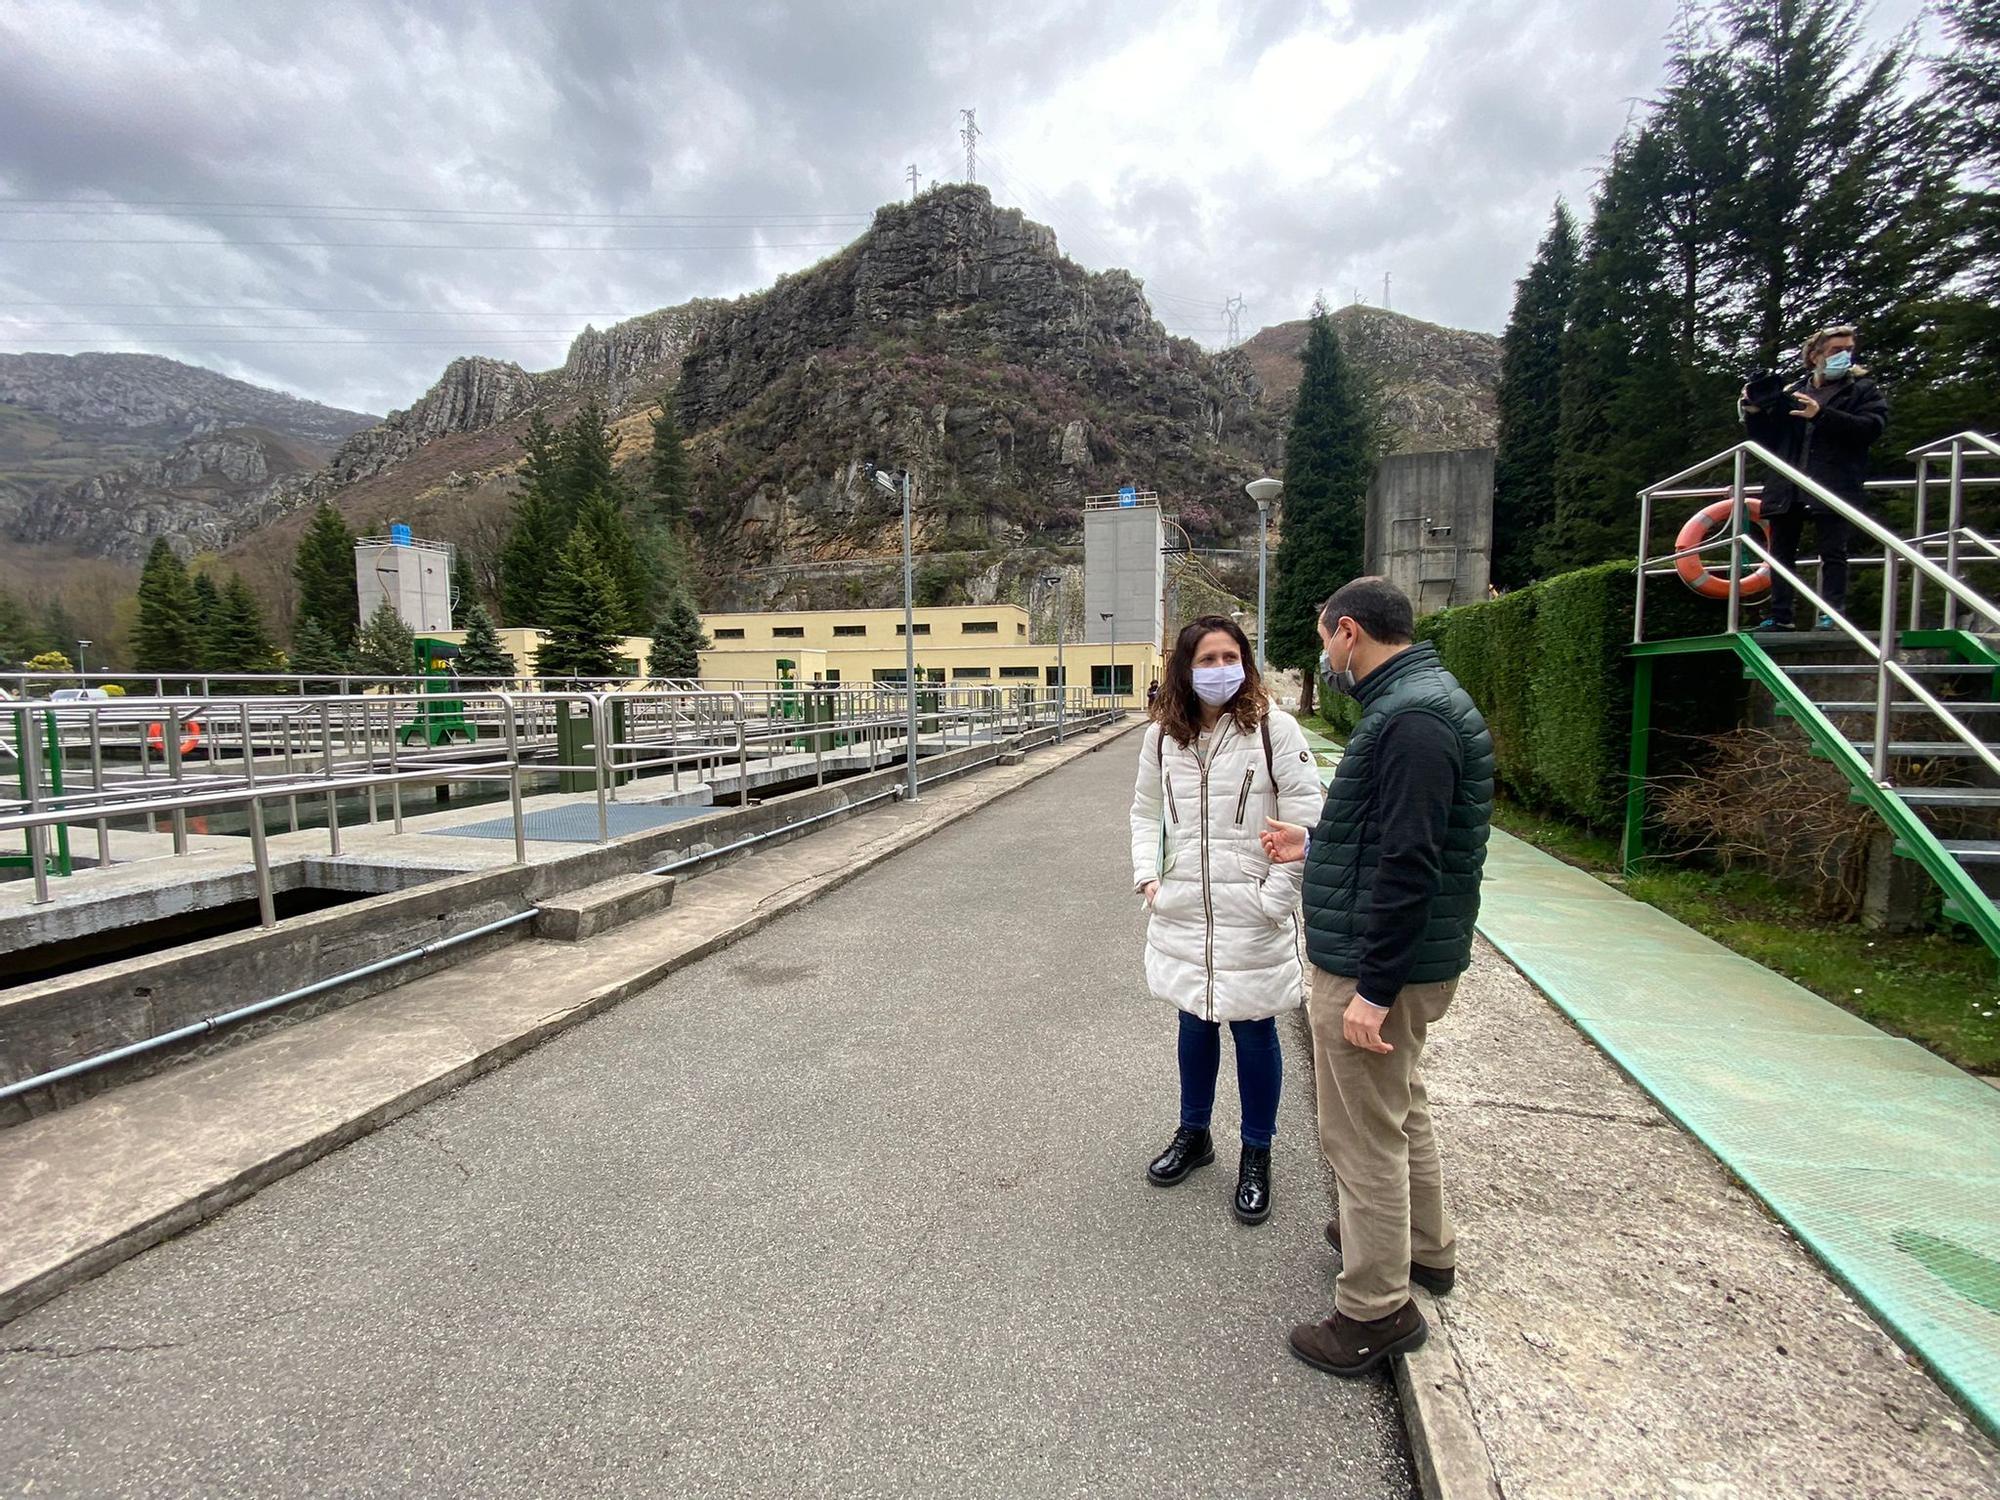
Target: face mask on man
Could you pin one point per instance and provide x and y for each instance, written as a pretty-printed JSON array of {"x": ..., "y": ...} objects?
[
  {"x": 1341, "y": 681},
  {"x": 1836, "y": 366},
  {"x": 1216, "y": 686}
]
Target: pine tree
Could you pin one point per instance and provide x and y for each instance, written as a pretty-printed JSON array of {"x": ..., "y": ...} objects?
[
  {"x": 386, "y": 647},
  {"x": 316, "y": 653},
  {"x": 464, "y": 590},
  {"x": 589, "y": 458},
  {"x": 1329, "y": 461},
  {"x": 678, "y": 641},
  {"x": 481, "y": 654},
  {"x": 1967, "y": 320},
  {"x": 1530, "y": 401},
  {"x": 236, "y": 639},
  {"x": 323, "y": 568},
  {"x": 19, "y": 636},
  {"x": 542, "y": 522},
  {"x": 583, "y": 630},
  {"x": 167, "y": 636},
  {"x": 667, "y": 469},
  {"x": 1624, "y": 408},
  {"x": 207, "y": 599},
  {"x": 611, "y": 534}
]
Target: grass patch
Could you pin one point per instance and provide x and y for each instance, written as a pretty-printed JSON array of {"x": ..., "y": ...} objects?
[{"x": 1937, "y": 989}]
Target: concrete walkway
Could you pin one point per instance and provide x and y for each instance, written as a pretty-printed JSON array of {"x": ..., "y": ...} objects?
[{"x": 855, "y": 1207}]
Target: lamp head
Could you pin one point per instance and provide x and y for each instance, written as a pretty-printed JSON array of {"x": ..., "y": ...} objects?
[
  {"x": 1264, "y": 491},
  {"x": 887, "y": 481}
]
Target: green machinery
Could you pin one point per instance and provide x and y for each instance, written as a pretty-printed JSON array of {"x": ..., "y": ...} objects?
[
  {"x": 442, "y": 713},
  {"x": 55, "y": 853}
]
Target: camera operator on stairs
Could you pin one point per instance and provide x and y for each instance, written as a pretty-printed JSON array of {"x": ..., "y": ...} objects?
[{"x": 1823, "y": 425}]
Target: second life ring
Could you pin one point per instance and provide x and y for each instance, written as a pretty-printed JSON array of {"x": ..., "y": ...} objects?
[
  {"x": 157, "y": 739},
  {"x": 1701, "y": 527}
]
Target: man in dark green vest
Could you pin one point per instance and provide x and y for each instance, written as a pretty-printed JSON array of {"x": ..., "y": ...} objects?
[{"x": 1391, "y": 893}]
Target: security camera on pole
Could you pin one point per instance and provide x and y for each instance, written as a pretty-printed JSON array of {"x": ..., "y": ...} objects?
[
  {"x": 899, "y": 483},
  {"x": 1263, "y": 491}
]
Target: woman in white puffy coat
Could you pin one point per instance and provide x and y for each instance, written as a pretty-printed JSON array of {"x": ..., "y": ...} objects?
[{"x": 1222, "y": 939}]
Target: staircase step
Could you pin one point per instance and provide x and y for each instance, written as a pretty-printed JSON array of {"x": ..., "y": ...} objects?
[
  {"x": 1867, "y": 705},
  {"x": 1856, "y": 668},
  {"x": 1920, "y": 749},
  {"x": 1950, "y": 796},
  {"x": 579, "y": 915}
]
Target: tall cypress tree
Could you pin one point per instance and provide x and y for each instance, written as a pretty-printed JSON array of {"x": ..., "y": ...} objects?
[
  {"x": 1330, "y": 456},
  {"x": 167, "y": 636},
  {"x": 585, "y": 615},
  {"x": 323, "y": 568},
  {"x": 1530, "y": 402}
]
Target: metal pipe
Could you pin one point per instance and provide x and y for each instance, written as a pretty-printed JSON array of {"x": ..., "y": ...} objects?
[
  {"x": 1880, "y": 762},
  {"x": 332, "y": 796},
  {"x": 97, "y": 787},
  {"x": 31, "y": 773},
  {"x": 1645, "y": 541},
  {"x": 244, "y": 1012},
  {"x": 909, "y": 651},
  {"x": 1923, "y": 504},
  {"x": 1736, "y": 549},
  {"x": 171, "y": 744},
  {"x": 514, "y": 782},
  {"x": 260, "y": 855},
  {"x": 1956, "y": 520}
]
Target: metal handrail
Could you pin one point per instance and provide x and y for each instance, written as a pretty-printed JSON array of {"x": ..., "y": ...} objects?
[{"x": 1739, "y": 537}]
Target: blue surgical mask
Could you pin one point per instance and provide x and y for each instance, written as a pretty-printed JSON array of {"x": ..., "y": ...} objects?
[
  {"x": 1836, "y": 366},
  {"x": 1216, "y": 686},
  {"x": 1341, "y": 681}
]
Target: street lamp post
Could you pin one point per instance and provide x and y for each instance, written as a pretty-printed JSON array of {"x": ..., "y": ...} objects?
[
  {"x": 1062, "y": 672},
  {"x": 1263, "y": 491},
  {"x": 894, "y": 484},
  {"x": 82, "y": 678},
  {"x": 1105, "y": 614}
]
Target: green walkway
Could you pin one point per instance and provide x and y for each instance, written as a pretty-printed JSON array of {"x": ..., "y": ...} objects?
[{"x": 1882, "y": 1158}]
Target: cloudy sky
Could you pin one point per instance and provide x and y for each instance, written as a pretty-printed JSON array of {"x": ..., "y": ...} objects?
[{"x": 335, "y": 199}]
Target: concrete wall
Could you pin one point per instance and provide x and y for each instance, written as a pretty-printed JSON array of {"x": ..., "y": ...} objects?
[
  {"x": 1123, "y": 575},
  {"x": 1430, "y": 525},
  {"x": 416, "y": 580}
]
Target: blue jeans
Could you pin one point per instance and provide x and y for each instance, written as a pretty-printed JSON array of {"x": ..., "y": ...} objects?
[{"x": 1259, "y": 1072}]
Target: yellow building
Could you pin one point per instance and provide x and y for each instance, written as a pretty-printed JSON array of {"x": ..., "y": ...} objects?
[{"x": 957, "y": 644}]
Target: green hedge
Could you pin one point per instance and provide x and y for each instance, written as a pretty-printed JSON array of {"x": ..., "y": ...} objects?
[{"x": 1548, "y": 666}]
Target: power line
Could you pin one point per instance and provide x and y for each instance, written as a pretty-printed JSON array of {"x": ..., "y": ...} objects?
[
  {"x": 440, "y": 312},
  {"x": 154, "y": 206},
  {"x": 409, "y": 245}
]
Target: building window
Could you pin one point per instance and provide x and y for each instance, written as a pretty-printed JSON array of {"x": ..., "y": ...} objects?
[
  {"x": 832, "y": 679},
  {"x": 980, "y": 627},
  {"x": 728, "y": 635},
  {"x": 1101, "y": 685},
  {"x": 1028, "y": 672},
  {"x": 923, "y": 628},
  {"x": 1020, "y": 628},
  {"x": 850, "y": 630},
  {"x": 894, "y": 675},
  {"x": 1055, "y": 677},
  {"x": 788, "y": 632},
  {"x": 971, "y": 672}
]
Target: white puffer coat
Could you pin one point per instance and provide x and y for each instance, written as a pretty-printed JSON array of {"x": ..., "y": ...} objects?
[{"x": 1223, "y": 939}]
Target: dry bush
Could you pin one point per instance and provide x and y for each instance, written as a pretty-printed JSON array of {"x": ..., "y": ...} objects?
[{"x": 1758, "y": 795}]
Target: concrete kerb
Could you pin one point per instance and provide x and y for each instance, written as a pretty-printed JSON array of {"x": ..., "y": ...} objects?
[
  {"x": 1448, "y": 1453},
  {"x": 55, "y": 1022},
  {"x": 26, "y": 1295}
]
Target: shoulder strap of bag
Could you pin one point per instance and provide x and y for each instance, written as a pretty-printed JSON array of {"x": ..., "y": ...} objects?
[{"x": 1270, "y": 765}]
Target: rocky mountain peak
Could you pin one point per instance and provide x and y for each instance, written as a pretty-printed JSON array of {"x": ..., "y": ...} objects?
[{"x": 131, "y": 391}]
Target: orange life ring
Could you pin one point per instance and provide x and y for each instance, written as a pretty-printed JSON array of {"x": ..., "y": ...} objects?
[
  {"x": 1701, "y": 527},
  {"x": 156, "y": 737}
]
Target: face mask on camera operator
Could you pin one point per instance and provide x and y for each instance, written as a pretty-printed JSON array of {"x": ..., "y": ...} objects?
[{"x": 1831, "y": 355}]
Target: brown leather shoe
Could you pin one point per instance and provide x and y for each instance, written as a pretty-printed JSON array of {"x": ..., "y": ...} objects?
[
  {"x": 1347, "y": 1346},
  {"x": 1437, "y": 1280}
]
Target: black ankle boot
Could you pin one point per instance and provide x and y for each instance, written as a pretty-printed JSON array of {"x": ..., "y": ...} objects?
[
  {"x": 1253, "y": 1185},
  {"x": 1190, "y": 1148}
]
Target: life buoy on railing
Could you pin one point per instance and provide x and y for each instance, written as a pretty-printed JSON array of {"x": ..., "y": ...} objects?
[
  {"x": 1702, "y": 527},
  {"x": 190, "y": 741}
]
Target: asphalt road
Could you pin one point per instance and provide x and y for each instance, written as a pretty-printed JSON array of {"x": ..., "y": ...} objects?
[{"x": 854, "y": 1208}]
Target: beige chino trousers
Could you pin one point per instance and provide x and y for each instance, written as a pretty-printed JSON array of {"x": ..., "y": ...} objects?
[{"x": 1375, "y": 1129}]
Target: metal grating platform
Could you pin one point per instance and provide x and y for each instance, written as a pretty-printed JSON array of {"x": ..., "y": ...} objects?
[
  {"x": 1882, "y": 1158},
  {"x": 574, "y": 824}
]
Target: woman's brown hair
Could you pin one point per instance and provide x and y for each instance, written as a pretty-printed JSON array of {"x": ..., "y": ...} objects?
[{"x": 1178, "y": 710}]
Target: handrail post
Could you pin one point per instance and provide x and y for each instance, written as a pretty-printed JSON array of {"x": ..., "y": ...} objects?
[
  {"x": 31, "y": 772},
  {"x": 1736, "y": 543},
  {"x": 742, "y": 752},
  {"x": 326, "y": 767},
  {"x": 514, "y": 780},
  {"x": 395, "y": 787},
  {"x": 1888, "y": 654},
  {"x": 260, "y": 855},
  {"x": 171, "y": 743},
  {"x": 97, "y": 786},
  {"x": 1645, "y": 554},
  {"x": 598, "y": 719},
  {"x": 1951, "y": 535},
  {"x": 1923, "y": 517}
]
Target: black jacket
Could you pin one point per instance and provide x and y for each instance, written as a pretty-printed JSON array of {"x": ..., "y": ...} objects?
[{"x": 1831, "y": 449}]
